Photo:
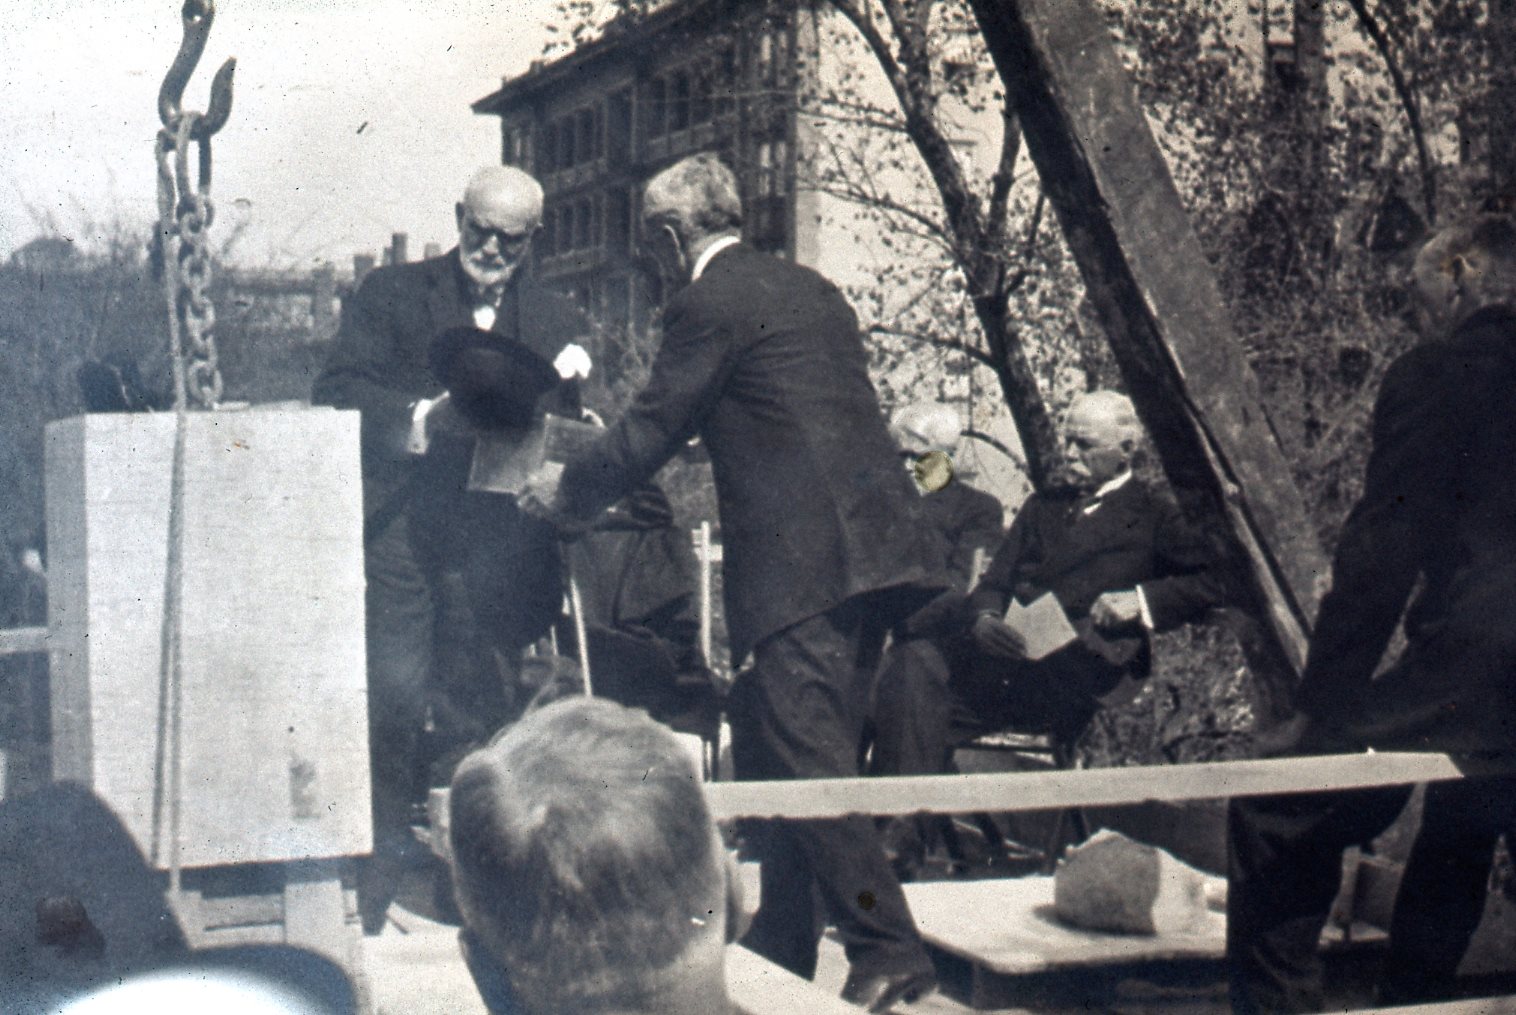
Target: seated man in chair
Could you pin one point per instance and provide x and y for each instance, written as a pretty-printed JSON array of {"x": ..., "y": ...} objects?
[{"x": 1121, "y": 563}]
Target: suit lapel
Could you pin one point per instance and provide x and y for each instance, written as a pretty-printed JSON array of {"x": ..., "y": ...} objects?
[{"x": 444, "y": 298}]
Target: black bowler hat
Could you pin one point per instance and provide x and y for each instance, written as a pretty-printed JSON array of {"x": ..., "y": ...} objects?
[{"x": 496, "y": 382}]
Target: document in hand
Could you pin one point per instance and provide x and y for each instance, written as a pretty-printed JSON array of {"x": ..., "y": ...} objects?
[
  {"x": 1042, "y": 625},
  {"x": 505, "y": 459}
]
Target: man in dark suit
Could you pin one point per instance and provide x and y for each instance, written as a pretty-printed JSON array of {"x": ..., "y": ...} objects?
[
  {"x": 436, "y": 554},
  {"x": 970, "y": 521},
  {"x": 1438, "y": 513},
  {"x": 1120, "y": 561},
  {"x": 762, "y": 359}
]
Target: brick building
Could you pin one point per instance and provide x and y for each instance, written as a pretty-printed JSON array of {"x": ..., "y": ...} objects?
[{"x": 703, "y": 75}]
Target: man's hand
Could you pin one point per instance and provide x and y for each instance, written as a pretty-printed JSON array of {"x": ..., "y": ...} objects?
[
  {"x": 997, "y": 638},
  {"x": 1116, "y": 609},
  {"x": 541, "y": 498},
  {"x": 442, "y": 416}
]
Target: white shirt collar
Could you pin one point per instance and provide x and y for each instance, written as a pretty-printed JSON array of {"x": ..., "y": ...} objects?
[
  {"x": 1112, "y": 485},
  {"x": 710, "y": 252}
]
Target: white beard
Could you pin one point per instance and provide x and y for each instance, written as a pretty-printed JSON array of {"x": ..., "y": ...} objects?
[{"x": 486, "y": 277}]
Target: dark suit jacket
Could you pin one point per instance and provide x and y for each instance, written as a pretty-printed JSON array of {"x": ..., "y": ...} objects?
[
  {"x": 762, "y": 359},
  {"x": 378, "y": 363},
  {"x": 968, "y": 519},
  {"x": 379, "y": 366},
  {"x": 1438, "y": 507},
  {"x": 1134, "y": 537}
]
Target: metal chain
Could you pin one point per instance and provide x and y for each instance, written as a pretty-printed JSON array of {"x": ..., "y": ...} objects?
[{"x": 185, "y": 213}]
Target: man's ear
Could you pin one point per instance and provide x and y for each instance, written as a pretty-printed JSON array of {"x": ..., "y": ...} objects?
[
  {"x": 458, "y": 214},
  {"x": 737, "y": 919}
]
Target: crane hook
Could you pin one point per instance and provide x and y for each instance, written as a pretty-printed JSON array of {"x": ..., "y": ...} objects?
[{"x": 197, "y": 15}]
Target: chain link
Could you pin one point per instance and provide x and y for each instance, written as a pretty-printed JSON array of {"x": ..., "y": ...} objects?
[{"x": 185, "y": 214}]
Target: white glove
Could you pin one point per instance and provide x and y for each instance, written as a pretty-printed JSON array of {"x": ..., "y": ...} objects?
[{"x": 572, "y": 362}]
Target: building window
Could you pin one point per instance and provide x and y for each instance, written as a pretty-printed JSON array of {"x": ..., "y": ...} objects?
[
  {"x": 566, "y": 154},
  {"x": 585, "y": 135},
  {"x": 584, "y": 225},
  {"x": 656, "y": 106},
  {"x": 618, "y": 127},
  {"x": 618, "y": 221},
  {"x": 679, "y": 102},
  {"x": 547, "y": 242},
  {"x": 700, "y": 98}
]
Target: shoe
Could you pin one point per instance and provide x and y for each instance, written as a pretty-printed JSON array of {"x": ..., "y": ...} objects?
[{"x": 880, "y": 992}]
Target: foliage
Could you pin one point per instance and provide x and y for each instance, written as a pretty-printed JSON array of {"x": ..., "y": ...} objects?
[{"x": 59, "y": 308}]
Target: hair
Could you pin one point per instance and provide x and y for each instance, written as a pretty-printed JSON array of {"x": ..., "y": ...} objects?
[
  {"x": 490, "y": 181},
  {"x": 928, "y": 426},
  {"x": 1468, "y": 266},
  {"x": 699, "y": 192},
  {"x": 1115, "y": 407},
  {"x": 584, "y": 857}
]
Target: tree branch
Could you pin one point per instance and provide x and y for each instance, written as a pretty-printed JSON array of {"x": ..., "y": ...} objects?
[
  {"x": 1004, "y": 178},
  {"x": 1408, "y": 103},
  {"x": 952, "y": 345}
]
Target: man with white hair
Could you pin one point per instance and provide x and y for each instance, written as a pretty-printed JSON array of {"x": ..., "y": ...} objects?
[
  {"x": 1435, "y": 528},
  {"x": 436, "y": 555},
  {"x": 824, "y": 549},
  {"x": 969, "y": 520},
  {"x": 1121, "y": 563}
]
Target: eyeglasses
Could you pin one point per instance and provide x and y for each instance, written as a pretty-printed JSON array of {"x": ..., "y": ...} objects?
[{"x": 507, "y": 242}]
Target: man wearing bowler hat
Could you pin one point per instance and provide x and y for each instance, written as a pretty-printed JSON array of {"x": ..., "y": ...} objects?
[{"x": 457, "y": 580}]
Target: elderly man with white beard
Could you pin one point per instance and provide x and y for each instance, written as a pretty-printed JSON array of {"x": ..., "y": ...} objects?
[{"x": 441, "y": 559}]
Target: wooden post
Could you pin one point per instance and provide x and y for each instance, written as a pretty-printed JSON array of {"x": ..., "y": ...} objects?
[
  {"x": 703, "y": 551},
  {"x": 1161, "y": 308},
  {"x": 398, "y": 244},
  {"x": 431, "y": 250}
]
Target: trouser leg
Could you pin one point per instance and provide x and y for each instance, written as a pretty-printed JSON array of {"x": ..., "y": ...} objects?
[
  {"x": 1285, "y": 859},
  {"x": 799, "y": 714},
  {"x": 399, "y": 641},
  {"x": 911, "y": 710},
  {"x": 1442, "y": 893}
]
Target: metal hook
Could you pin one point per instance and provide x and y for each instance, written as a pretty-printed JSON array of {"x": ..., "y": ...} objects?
[{"x": 197, "y": 15}]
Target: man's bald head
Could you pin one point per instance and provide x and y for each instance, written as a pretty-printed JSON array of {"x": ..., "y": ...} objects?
[
  {"x": 500, "y": 212},
  {"x": 1465, "y": 268}
]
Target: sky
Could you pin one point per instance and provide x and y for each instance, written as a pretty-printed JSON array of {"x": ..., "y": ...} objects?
[{"x": 350, "y": 120}]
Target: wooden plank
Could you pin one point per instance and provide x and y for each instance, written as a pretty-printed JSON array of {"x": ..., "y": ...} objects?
[
  {"x": 1160, "y": 305},
  {"x": 23, "y": 640},
  {"x": 274, "y": 719},
  {"x": 1026, "y": 791},
  {"x": 1465, "y": 1006},
  {"x": 1054, "y": 788},
  {"x": 1008, "y": 927},
  {"x": 758, "y": 987}
]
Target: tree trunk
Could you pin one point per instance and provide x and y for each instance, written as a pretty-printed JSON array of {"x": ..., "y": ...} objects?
[{"x": 1503, "y": 94}]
